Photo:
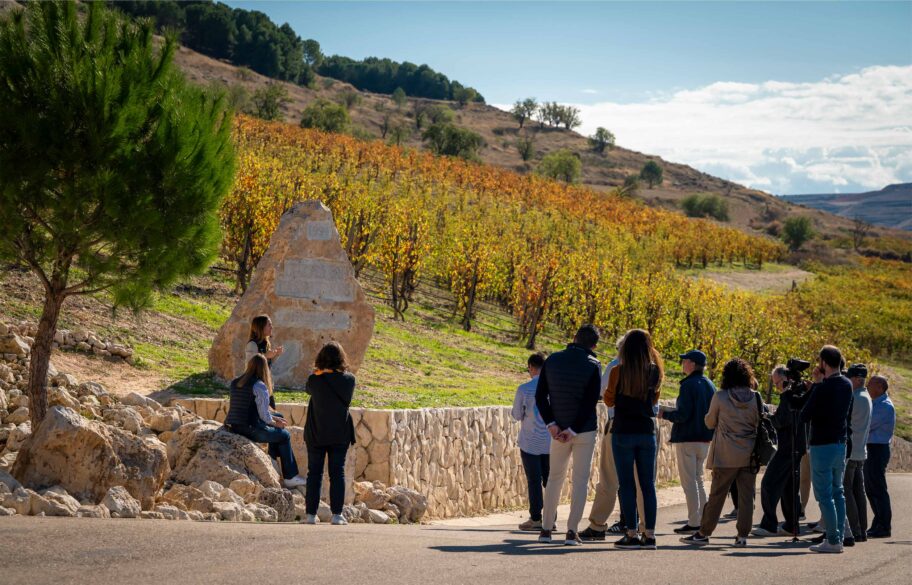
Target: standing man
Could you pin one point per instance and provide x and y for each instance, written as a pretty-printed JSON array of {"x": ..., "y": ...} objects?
[
  {"x": 690, "y": 435},
  {"x": 853, "y": 482},
  {"x": 778, "y": 481},
  {"x": 827, "y": 410},
  {"x": 534, "y": 441},
  {"x": 568, "y": 390},
  {"x": 883, "y": 423},
  {"x": 606, "y": 491}
]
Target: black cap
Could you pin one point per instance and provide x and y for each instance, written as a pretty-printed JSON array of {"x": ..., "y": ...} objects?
[
  {"x": 857, "y": 371},
  {"x": 696, "y": 356}
]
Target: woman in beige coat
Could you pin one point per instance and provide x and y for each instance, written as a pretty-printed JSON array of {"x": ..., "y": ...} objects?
[{"x": 734, "y": 413}]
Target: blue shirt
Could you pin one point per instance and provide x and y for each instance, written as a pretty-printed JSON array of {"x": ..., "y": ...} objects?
[
  {"x": 261, "y": 395},
  {"x": 534, "y": 437},
  {"x": 883, "y": 420}
]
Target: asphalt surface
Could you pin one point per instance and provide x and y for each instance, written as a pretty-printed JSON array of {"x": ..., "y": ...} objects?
[{"x": 98, "y": 552}]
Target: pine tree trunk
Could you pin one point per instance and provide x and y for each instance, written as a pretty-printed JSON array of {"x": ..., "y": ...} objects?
[{"x": 41, "y": 357}]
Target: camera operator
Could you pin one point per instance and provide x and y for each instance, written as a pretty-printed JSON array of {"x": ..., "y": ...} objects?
[
  {"x": 780, "y": 480},
  {"x": 827, "y": 410}
]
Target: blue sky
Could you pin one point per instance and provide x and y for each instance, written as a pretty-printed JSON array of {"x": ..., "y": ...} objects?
[{"x": 636, "y": 67}]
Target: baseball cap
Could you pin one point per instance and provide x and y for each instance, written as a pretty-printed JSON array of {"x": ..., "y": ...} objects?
[{"x": 696, "y": 356}]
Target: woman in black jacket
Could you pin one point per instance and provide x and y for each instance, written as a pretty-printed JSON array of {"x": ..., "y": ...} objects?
[{"x": 329, "y": 430}]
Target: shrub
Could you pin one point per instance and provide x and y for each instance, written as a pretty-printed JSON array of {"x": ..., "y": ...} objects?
[
  {"x": 705, "y": 205},
  {"x": 327, "y": 116},
  {"x": 562, "y": 165}
]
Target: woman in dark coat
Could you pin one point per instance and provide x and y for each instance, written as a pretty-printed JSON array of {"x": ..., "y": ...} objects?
[{"x": 329, "y": 430}]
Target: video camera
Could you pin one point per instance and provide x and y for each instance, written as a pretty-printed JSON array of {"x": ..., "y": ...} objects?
[{"x": 794, "y": 368}]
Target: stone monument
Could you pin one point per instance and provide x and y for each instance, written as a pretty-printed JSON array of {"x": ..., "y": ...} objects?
[{"x": 306, "y": 284}]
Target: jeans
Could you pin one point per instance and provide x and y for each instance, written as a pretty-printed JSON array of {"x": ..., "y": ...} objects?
[
  {"x": 316, "y": 456},
  {"x": 279, "y": 445},
  {"x": 827, "y": 471},
  {"x": 636, "y": 454},
  {"x": 779, "y": 483},
  {"x": 856, "y": 503},
  {"x": 875, "y": 482},
  {"x": 537, "y": 469}
]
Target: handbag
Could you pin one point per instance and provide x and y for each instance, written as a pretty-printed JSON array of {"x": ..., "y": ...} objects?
[{"x": 767, "y": 441}]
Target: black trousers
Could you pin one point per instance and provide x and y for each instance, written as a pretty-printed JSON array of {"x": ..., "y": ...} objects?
[
  {"x": 316, "y": 457},
  {"x": 875, "y": 483},
  {"x": 778, "y": 484},
  {"x": 537, "y": 468}
]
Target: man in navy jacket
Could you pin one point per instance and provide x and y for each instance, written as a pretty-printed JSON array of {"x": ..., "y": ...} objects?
[{"x": 690, "y": 436}]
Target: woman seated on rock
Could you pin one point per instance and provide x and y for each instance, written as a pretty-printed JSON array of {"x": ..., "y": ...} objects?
[
  {"x": 260, "y": 342},
  {"x": 248, "y": 415},
  {"x": 329, "y": 430}
]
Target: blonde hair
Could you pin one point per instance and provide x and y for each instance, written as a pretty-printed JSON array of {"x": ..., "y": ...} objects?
[
  {"x": 257, "y": 328},
  {"x": 257, "y": 369}
]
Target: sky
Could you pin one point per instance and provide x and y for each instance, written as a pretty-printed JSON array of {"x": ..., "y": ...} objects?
[{"x": 788, "y": 97}]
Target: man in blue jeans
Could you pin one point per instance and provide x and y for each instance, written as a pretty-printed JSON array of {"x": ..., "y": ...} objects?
[
  {"x": 827, "y": 410},
  {"x": 534, "y": 441}
]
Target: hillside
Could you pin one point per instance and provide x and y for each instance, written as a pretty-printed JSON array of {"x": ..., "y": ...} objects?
[
  {"x": 890, "y": 207},
  {"x": 751, "y": 210}
]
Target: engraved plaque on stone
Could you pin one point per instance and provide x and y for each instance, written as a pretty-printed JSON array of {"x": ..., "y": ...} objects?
[
  {"x": 320, "y": 230},
  {"x": 322, "y": 280}
]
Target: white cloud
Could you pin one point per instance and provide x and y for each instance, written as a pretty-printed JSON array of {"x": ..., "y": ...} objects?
[
  {"x": 844, "y": 133},
  {"x": 589, "y": 91}
]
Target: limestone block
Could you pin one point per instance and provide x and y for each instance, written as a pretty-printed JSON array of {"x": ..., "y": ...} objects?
[
  {"x": 306, "y": 284},
  {"x": 121, "y": 504}
]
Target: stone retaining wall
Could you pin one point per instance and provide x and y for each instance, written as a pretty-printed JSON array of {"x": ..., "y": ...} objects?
[{"x": 464, "y": 460}]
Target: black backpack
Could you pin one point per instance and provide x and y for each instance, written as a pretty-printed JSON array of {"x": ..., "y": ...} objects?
[{"x": 767, "y": 442}]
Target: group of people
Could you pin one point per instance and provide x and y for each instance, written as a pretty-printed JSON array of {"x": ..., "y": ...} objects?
[
  {"x": 834, "y": 434},
  {"x": 328, "y": 430}
]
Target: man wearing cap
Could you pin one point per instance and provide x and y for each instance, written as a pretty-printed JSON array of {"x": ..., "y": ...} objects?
[
  {"x": 853, "y": 481},
  {"x": 778, "y": 481},
  {"x": 690, "y": 435}
]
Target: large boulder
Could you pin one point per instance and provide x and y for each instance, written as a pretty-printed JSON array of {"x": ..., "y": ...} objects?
[
  {"x": 204, "y": 450},
  {"x": 281, "y": 501},
  {"x": 121, "y": 504},
  {"x": 12, "y": 343},
  {"x": 411, "y": 504},
  {"x": 306, "y": 283},
  {"x": 87, "y": 458}
]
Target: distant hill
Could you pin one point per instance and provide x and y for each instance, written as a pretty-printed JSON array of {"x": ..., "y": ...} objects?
[{"x": 890, "y": 207}]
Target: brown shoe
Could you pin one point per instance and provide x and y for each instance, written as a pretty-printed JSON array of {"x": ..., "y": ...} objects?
[{"x": 531, "y": 525}]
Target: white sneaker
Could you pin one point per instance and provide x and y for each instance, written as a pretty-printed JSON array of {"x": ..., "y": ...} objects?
[
  {"x": 339, "y": 520},
  {"x": 296, "y": 481},
  {"x": 760, "y": 531},
  {"x": 310, "y": 519},
  {"x": 826, "y": 547}
]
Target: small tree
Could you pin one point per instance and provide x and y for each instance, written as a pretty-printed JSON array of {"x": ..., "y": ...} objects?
[
  {"x": 399, "y": 97},
  {"x": 350, "y": 99},
  {"x": 399, "y": 134},
  {"x": 562, "y": 165},
  {"x": 439, "y": 114},
  {"x": 569, "y": 117},
  {"x": 523, "y": 110},
  {"x": 630, "y": 188},
  {"x": 268, "y": 101},
  {"x": 796, "y": 231},
  {"x": 705, "y": 205},
  {"x": 313, "y": 56},
  {"x": 464, "y": 95},
  {"x": 651, "y": 173},
  {"x": 526, "y": 147},
  {"x": 449, "y": 140},
  {"x": 601, "y": 140},
  {"x": 110, "y": 163},
  {"x": 326, "y": 116},
  {"x": 860, "y": 231}
]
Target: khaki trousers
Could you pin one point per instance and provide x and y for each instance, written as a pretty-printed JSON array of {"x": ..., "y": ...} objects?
[
  {"x": 722, "y": 480},
  {"x": 606, "y": 491},
  {"x": 580, "y": 448},
  {"x": 691, "y": 458}
]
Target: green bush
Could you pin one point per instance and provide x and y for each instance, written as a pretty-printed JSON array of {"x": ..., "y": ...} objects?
[
  {"x": 326, "y": 116},
  {"x": 705, "y": 205},
  {"x": 562, "y": 165},
  {"x": 450, "y": 140},
  {"x": 796, "y": 231}
]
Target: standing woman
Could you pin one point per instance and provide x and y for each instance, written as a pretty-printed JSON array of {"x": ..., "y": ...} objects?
[
  {"x": 329, "y": 430},
  {"x": 260, "y": 341},
  {"x": 633, "y": 391},
  {"x": 249, "y": 416},
  {"x": 734, "y": 413}
]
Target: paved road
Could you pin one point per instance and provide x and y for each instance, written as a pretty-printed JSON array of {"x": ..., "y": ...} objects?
[{"x": 65, "y": 550}]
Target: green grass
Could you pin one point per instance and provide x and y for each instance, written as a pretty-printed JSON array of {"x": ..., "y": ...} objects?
[{"x": 207, "y": 313}]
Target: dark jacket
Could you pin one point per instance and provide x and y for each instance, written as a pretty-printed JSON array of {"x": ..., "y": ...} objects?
[
  {"x": 568, "y": 389},
  {"x": 827, "y": 410},
  {"x": 688, "y": 425},
  {"x": 328, "y": 420},
  {"x": 787, "y": 423},
  {"x": 242, "y": 410}
]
